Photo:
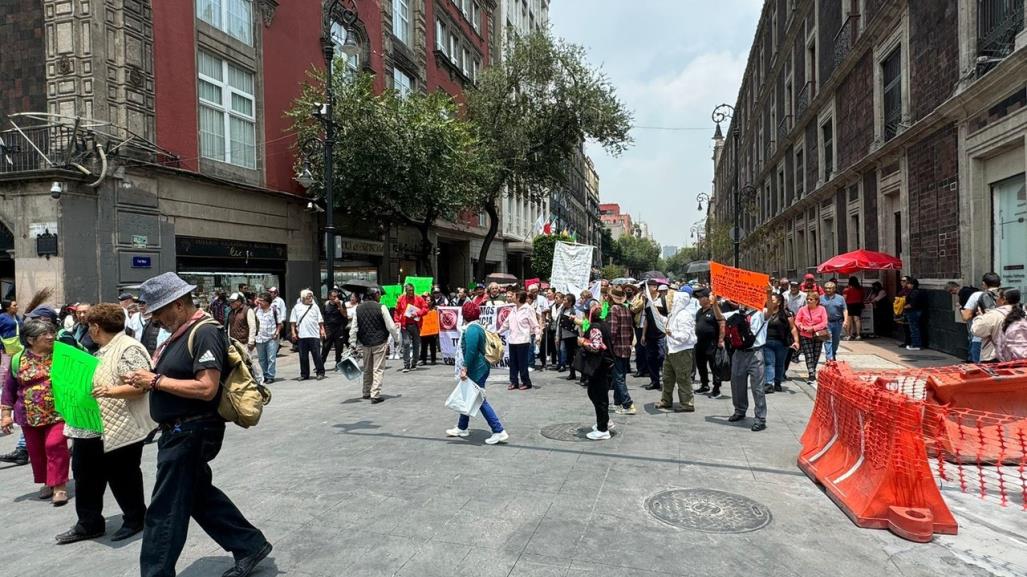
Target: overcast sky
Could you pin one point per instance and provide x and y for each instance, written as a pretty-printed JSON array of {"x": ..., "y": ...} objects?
[{"x": 672, "y": 62}]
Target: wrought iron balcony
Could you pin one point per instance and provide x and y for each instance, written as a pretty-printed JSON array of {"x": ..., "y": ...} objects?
[
  {"x": 805, "y": 97},
  {"x": 998, "y": 23},
  {"x": 783, "y": 127},
  {"x": 846, "y": 38},
  {"x": 37, "y": 148}
]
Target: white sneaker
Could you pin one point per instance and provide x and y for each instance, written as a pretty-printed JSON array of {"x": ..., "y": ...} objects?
[
  {"x": 599, "y": 435},
  {"x": 456, "y": 432},
  {"x": 500, "y": 437},
  {"x": 912, "y": 348},
  {"x": 609, "y": 426}
]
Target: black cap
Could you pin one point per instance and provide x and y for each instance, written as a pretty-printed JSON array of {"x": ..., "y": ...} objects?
[{"x": 125, "y": 297}]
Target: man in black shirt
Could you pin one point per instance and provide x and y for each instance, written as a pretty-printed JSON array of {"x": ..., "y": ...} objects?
[
  {"x": 709, "y": 332},
  {"x": 335, "y": 324},
  {"x": 185, "y": 389}
]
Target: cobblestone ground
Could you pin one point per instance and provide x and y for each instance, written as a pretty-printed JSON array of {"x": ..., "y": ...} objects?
[{"x": 344, "y": 488}]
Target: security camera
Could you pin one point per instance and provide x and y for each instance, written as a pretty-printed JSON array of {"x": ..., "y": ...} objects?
[
  {"x": 314, "y": 207},
  {"x": 56, "y": 189}
]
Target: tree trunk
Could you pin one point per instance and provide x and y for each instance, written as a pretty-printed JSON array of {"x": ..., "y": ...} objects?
[{"x": 490, "y": 209}]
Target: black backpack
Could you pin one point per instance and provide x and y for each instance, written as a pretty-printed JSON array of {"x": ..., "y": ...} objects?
[{"x": 738, "y": 333}]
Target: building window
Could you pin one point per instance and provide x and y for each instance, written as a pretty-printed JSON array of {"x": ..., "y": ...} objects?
[
  {"x": 476, "y": 16},
  {"x": 402, "y": 82},
  {"x": 339, "y": 36},
  {"x": 827, "y": 149},
  {"x": 465, "y": 63},
  {"x": 227, "y": 112},
  {"x": 454, "y": 48},
  {"x": 440, "y": 36},
  {"x": 800, "y": 170},
  {"x": 475, "y": 67},
  {"x": 401, "y": 20},
  {"x": 891, "y": 76},
  {"x": 233, "y": 17}
]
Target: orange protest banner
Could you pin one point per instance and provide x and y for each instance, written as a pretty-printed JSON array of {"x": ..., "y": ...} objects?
[
  {"x": 430, "y": 324},
  {"x": 738, "y": 285}
]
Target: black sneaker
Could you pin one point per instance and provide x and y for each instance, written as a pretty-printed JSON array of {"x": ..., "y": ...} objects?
[
  {"x": 758, "y": 426},
  {"x": 768, "y": 389},
  {"x": 778, "y": 388},
  {"x": 703, "y": 389},
  {"x": 735, "y": 418},
  {"x": 245, "y": 566},
  {"x": 18, "y": 457},
  {"x": 76, "y": 534},
  {"x": 715, "y": 393}
]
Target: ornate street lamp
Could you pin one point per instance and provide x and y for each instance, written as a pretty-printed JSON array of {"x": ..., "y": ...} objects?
[
  {"x": 720, "y": 114},
  {"x": 702, "y": 197}
]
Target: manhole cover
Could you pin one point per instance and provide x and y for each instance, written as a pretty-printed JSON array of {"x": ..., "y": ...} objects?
[
  {"x": 570, "y": 431},
  {"x": 708, "y": 511}
]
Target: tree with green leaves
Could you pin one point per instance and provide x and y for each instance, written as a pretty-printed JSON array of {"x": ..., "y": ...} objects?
[
  {"x": 532, "y": 111},
  {"x": 638, "y": 255},
  {"x": 677, "y": 264},
  {"x": 403, "y": 160},
  {"x": 542, "y": 248},
  {"x": 609, "y": 247}
]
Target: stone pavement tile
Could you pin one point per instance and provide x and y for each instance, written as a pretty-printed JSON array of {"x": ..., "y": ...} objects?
[
  {"x": 585, "y": 569},
  {"x": 385, "y": 555},
  {"x": 481, "y": 562},
  {"x": 325, "y": 550},
  {"x": 434, "y": 560},
  {"x": 532, "y": 565},
  {"x": 487, "y": 527}
]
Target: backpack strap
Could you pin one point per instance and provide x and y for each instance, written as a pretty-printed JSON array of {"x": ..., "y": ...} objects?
[
  {"x": 16, "y": 362},
  {"x": 192, "y": 333}
]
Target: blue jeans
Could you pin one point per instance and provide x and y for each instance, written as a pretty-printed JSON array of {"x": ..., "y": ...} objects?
[
  {"x": 913, "y": 318},
  {"x": 487, "y": 412},
  {"x": 775, "y": 356},
  {"x": 620, "y": 389},
  {"x": 831, "y": 346},
  {"x": 267, "y": 354},
  {"x": 973, "y": 346}
]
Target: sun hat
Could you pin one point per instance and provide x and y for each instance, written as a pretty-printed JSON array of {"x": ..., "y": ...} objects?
[
  {"x": 161, "y": 290},
  {"x": 617, "y": 294}
]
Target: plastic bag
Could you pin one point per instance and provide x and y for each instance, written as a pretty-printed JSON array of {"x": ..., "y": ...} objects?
[
  {"x": 466, "y": 398},
  {"x": 722, "y": 365}
]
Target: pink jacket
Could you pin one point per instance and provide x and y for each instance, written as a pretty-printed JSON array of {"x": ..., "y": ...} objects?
[
  {"x": 816, "y": 317},
  {"x": 522, "y": 324}
]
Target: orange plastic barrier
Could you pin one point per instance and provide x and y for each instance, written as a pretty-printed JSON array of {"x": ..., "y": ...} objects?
[
  {"x": 864, "y": 443},
  {"x": 999, "y": 388}
]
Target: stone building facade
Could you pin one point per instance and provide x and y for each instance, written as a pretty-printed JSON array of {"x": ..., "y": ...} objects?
[{"x": 891, "y": 126}]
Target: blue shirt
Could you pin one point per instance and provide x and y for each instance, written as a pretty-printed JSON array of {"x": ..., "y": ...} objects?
[
  {"x": 8, "y": 326},
  {"x": 835, "y": 306}
]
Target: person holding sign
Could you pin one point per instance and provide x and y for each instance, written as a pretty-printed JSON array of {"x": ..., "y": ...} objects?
[
  {"x": 28, "y": 401},
  {"x": 112, "y": 457},
  {"x": 410, "y": 309}
]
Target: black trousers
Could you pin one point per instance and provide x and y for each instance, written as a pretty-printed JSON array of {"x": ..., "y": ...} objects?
[
  {"x": 519, "y": 365},
  {"x": 184, "y": 489},
  {"x": 553, "y": 347},
  {"x": 705, "y": 361},
  {"x": 310, "y": 346},
  {"x": 94, "y": 470},
  {"x": 429, "y": 342},
  {"x": 641, "y": 360},
  {"x": 334, "y": 339},
  {"x": 572, "y": 350},
  {"x": 599, "y": 394}
]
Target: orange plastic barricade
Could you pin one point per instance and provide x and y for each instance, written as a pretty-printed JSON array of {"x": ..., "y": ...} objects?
[{"x": 864, "y": 443}]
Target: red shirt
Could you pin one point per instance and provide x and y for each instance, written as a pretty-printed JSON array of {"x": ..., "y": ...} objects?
[
  {"x": 853, "y": 295},
  {"x": 401, "y": 308}
]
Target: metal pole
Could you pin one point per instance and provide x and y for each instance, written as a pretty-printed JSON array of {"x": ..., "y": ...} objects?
[
  {"x": 329, "y": 145},
  {"x": 737, "y": 205}
]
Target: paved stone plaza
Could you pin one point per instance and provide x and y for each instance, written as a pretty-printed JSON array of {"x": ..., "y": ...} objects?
[{"x": 344, "y": 488}]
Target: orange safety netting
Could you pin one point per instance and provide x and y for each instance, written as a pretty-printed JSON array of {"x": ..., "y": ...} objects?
[{"x": 876, "y": 439}]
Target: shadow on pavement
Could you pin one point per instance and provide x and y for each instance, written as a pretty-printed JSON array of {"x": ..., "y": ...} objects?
[{"x": 208, "y": 566}]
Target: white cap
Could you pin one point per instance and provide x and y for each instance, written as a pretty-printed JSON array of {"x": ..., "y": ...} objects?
[{"x": 235, "y": 297}]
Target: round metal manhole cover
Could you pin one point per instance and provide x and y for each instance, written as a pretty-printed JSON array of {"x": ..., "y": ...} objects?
[
  {"x": 708, "y": 511},
  {"x": 570, "y": 431}
]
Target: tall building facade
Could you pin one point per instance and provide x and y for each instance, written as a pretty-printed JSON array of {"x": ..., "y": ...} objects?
[
  {"x": 891, "y": 126},
  {"x": 618, "y": 223}
]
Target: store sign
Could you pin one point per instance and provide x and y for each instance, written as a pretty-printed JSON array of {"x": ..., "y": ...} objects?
[
  {"x": 223, "y": 248},
  {"x": 1011, "y": 231},
  {"x": 38, "y": 228},
  {"x": 346, "y": 245},
  {"x": 142, "y": 262},
  {"x": 139, "y": 240}
]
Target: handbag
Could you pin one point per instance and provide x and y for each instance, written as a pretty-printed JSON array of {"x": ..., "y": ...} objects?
[
  {"x": 722, "y": 364},
  {"x": 466, "y": 398},
  {"x": 587, "y": 363},
  {"x": 823, "y": 335}
]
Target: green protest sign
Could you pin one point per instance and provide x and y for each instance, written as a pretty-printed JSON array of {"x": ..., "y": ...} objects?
[
  {"x": 422, "y": 284},
  {"x": 71, "y": 376},
  {"x": 390, "y": 294}
]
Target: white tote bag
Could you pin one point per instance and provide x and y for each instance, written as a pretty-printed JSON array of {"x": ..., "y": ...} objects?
[{"x": 466, "y": 398}]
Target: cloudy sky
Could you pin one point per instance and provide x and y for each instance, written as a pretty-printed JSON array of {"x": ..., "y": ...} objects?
[{"x": 672, "y": 62}]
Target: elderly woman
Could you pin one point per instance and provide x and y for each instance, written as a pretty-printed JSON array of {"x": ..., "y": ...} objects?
[
  {"x": 472, "y": 364},
  {"x": 113, "y": 457},
  {"x": 811, "y": 323},
  {"x": 28, "y": 401}
]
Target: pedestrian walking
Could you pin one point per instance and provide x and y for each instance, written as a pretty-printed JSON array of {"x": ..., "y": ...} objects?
[
  {"x": 308, "y": 330},
  {"x": 430, "y": 335},
  {"x": 472, "y": 364},
  {"x": 567, "y": 333},
  {"x": 111, "y": 458},
  {"x": 184, "y": 400},
  {"x": 27, "y": 400},
  {"x": 811, "y": 323},
  {"x": 242, "y": 326},
  {"x": 837, "y": 317},
  {"x": 709, "y": 333},
  {"x": 410, "y": 309},
  {"x": 977, "y": 305},
  {"x": 747, "y": 333},
  {"x": 278, "y": 303},
  {"x": 370, "y": 331},
  {"x": 335, "y": 316},
  {"x": 597, "y": 361},
  {"x": 622, "y": 332},
  {"x": 680, "y": 361},
  {"x": 854, "y": 296},
  {"x": 915, "y": 307},
  {"x": 269, "y": 327},
  {"x": 522, "y": 330},
  {"x": 782, "y": 339}
]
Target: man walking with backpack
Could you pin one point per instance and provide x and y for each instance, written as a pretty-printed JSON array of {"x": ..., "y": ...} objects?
[
  {"x": 979, "y": 303},
  {"x": 185, "y": 388},
  {"x": 370, "y": 330},
  {"x": 242, "y": 326},
  {"x": 747, "y": 333}
]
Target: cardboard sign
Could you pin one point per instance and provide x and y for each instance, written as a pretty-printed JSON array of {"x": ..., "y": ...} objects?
[
  {"x": 430, "y": 324},
  {"x": 391, "y": 294},
  {"x": 450, "y": 321},
  {"x": 422, "y": 284},
  {"x": 71, "y": 377},
  {"x": 740, "y": 286}
]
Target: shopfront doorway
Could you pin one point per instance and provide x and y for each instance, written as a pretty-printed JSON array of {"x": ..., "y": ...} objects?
[
  {"x": 1009, "y": 198},
  {"x": 6, "y": 263},
  {"x": 222, "y": 265}
]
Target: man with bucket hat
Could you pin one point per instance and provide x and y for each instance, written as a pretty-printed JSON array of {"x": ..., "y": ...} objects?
[{"x": 185, "y": 387}]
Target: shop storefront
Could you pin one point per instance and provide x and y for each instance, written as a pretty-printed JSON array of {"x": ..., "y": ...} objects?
[{"x": 219, "y": 264}]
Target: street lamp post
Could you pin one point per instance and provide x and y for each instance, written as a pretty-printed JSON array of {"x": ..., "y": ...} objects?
[{"x": 720, "y": 114}]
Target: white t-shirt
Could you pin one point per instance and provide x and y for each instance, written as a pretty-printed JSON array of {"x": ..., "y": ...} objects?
[
  {"x": 971, "y": 305},
  {"x": 310, "y": 328},
  {"x": 279, "y": 305}
]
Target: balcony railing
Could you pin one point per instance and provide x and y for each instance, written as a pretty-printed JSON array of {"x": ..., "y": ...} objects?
[
  {"x": 805, "y": 97},
  {"x": 846, "y": 38},
  {"x": 998, "y": 23},
  {"x": 783, "y": 127},
  {"x": 36, "y": 148}
]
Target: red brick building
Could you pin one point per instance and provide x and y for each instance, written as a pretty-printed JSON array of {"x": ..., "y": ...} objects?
[
  {"x": 612, "y": 218},
  {"x": 891, "y": 126}
]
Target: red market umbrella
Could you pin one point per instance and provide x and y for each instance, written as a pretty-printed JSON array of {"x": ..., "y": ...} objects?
[{"x": 858, "y": 260}]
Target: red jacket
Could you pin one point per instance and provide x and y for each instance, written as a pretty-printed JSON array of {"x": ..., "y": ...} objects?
[{"x": 401, "y": 308}]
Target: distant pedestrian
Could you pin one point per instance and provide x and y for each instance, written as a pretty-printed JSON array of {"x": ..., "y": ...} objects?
[
  {"x": 747, "y": 334},
  {"x": 522, "y": 330},
  {"x": 269, "y": 327},
  {"x": 884, "y": 318},
  {"x": 1012, "y": 340},
  {"x": 837, "y": 317},
  {"x": 811, "y": 323},
  {"x": 335, "y": 316},
  {"x": 853, "y": 294},
  {"x": 916, "y": 306},
  {"x": 709, "y": 332},
  {"x": 990, "y": 327},
  {"x": 976, "y": 305},
  {"x": 622, "y": 332},
  {"x": 809, "y": 283},
  {"x": 410, "y": 310},
  {"x": 308, "y": 330},
  {"x": 370, "y": 331},
  {"x": 472, "y": 364},
  {"x": 567, "y": 333},
  {"x": 656, "y": 307},
  {"x": 430, "y": 340},
  {"x": 680, "y": 361},
  {"x": 242, "y": 326},
  {"x": 598, "y": 357},
  {"x": 637, "y": 300},
  {"x": 278, "y": 303},
  {"x": 133, "y": 318},
  {"x": 782, "y": 339}
]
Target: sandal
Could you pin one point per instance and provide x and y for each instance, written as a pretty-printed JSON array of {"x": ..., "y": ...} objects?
[
  {"x": 511, "y": 387},
  {"x": 45, "y": 493},
  {"x": 60, "y": 498}
]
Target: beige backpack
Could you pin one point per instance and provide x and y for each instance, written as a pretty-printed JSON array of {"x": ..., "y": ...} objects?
[{"x": 242, "y": 399}]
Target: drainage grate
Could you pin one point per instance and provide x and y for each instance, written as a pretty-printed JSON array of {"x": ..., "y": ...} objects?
[
  {"x": 708, "y": 511},
  {"x": 570, "y": 431}
]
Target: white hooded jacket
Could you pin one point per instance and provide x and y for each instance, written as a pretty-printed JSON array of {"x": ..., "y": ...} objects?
[{"x": 681, "y": 324}]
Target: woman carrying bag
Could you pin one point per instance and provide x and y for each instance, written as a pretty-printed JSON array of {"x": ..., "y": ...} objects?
[
  {"x": 472, "y": 364},
  {"x": 568, "y": 334},
  {"x": 811, "y": 323},
  {"x": 597, "y": 362}
]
